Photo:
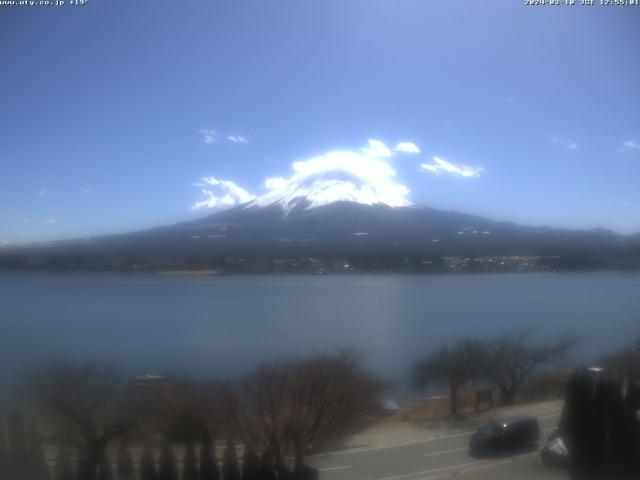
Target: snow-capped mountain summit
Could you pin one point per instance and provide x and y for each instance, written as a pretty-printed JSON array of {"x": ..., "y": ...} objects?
[
  {"x": 326, "y": 188},
  {"x": 338, "y": 176}
]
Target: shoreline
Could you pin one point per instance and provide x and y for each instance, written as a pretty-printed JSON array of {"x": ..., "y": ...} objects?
[
  {"x": 190, "y": 273},
  {"x": 282, "y": 273}
]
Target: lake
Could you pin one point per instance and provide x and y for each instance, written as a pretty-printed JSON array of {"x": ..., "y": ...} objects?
[{"x": 224, "y": 326}]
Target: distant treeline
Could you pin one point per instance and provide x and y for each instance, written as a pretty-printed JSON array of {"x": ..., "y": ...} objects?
[{"x": 52, "y": 261}]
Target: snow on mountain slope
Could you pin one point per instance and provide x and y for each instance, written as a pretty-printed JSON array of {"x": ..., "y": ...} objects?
[
  {"x": 335, "y": 177},
  {"x": 324, "y": 191}
]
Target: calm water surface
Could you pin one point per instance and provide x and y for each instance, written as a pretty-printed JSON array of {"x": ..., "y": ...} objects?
[{"x": 225, "y": 325}]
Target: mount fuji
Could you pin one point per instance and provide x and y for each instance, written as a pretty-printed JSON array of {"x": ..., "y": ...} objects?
[{"x": 341, "y": 214}]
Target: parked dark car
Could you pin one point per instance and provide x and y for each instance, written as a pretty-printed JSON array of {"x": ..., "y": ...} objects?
[{"x": 506, "y": 434}]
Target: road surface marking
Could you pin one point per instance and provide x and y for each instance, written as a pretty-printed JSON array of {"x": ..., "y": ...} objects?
[
  {"x": 433, "y": 470},
  {"x": 445, "y": 451},
  {"x": 484, "y": 467},
  {"x": 328, "y": 469},
  {"x": 395, "y": 445}
]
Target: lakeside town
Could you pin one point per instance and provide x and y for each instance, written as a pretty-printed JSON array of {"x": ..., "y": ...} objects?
[{"x": 211, "y": 265}]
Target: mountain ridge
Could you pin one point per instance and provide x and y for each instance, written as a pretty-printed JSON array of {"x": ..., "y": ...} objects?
[{"x": 344, "y": 228}]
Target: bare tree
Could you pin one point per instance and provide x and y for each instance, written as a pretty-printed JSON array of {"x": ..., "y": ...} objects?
[
  {"x": 260, "y": 417},
  {"x": 105, "y": 472},
  {"x": 513, "y": 358},
  {"x": 452, "y": 366},
  {"x": 625, "y": 362},
  {"x": 303, "y": 406},
  {"x": 4, "y": 453},
  {"x": 183, "y": 413},
  {"x": 90, "y": 407},
  {"x": 330, "y": 396}
]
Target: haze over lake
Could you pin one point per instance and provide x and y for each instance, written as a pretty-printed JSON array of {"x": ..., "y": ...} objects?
[{"x": 226, "y": 325}]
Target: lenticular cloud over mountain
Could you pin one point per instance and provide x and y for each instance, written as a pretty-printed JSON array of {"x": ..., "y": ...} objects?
[
  {"x": 337, "y": 176},
  {"x": 364, "y": 176}
]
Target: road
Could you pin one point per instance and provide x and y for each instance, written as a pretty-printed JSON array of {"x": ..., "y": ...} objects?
[{"x": 435, "y": 458}]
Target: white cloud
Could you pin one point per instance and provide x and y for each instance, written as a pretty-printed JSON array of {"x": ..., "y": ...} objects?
[
  {"x": 569, "y": 144},
  {"x": 237, "y": 139},
  {"x": 362, "y": 177},
  {"x": 42, "y": 192},
  {"x": 87, "y": 191},
  {"x": 407, "y": 147},
  {"x": 274, "y": 183},
  {"x": 442, "y": 166},
  {"x": 51, "y": 221},
  {"x": 220, "y": 193},
  {"x": 629, "y": 145},
  {"x": 238, "y": 193},
  {"x": 227, "y": 201},
  {"x": 211, "y": 201},
  {"x": 213, "y": 181},
  {"x": 208, "y": 136},
  {"x": 377, "y": 149}
]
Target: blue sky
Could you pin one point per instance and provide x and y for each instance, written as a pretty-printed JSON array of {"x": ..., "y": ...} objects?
[{"x": 106, "y": 110}]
